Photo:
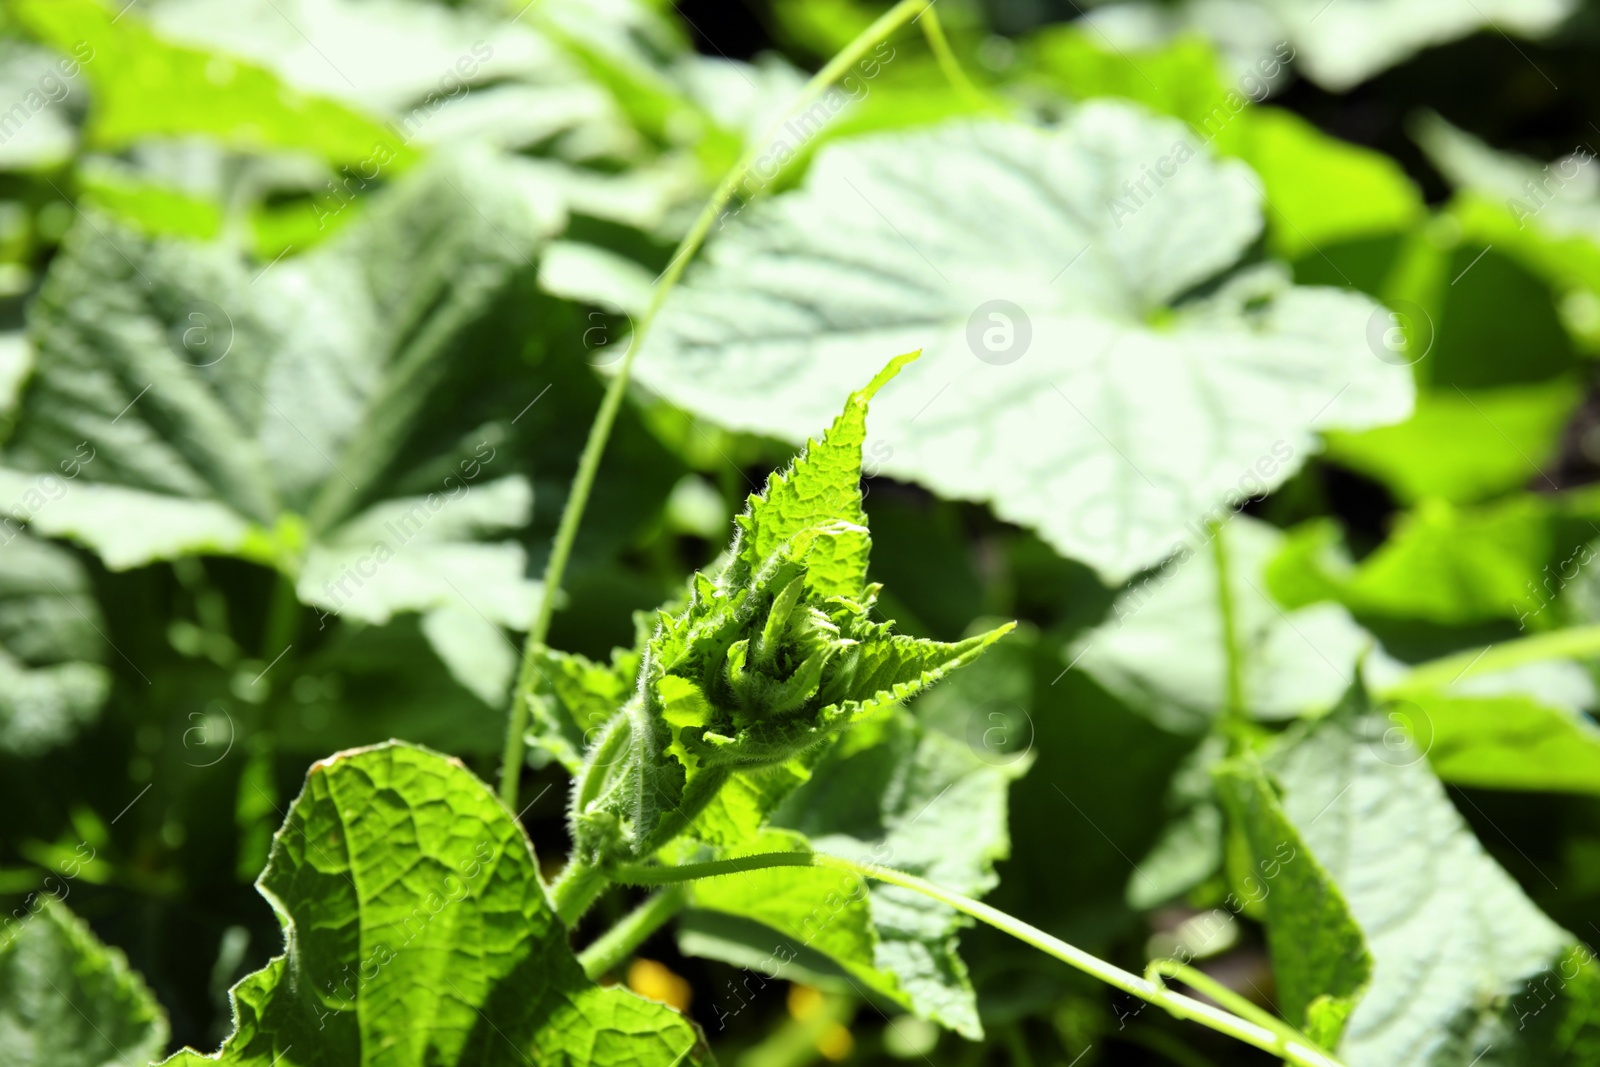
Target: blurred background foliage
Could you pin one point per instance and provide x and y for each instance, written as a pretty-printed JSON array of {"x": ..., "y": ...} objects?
[{"x": 186, "y": 696}]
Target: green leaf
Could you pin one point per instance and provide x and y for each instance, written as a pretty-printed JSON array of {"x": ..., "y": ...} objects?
[
  {"x": 1183, "y": 77},
  {"x": 1055, "y": 427},
  {"x": 1321, "y": 190},
  {"x": 147, "y": 87},
  {"x": 1464, "y": 447},
  {"x": 1550, "y": 227},
  {"x": 823, "y": 486},
  {"x": 51, "y": 641},
  {"x": 1190, "y": 848},
  {"x": 1162, "y": 651},
  {"x": 1451, "y": 935},
  {"x": 1456, "y": 565},
  {"x": 1319, "y": 956},
  {"x": 48, "y": 138},
  {"x": 365, "y": 682},
  {"x": 1318, "y": 190},
  {"x": 438, "y": 75},
  {"x": 1442, "y": 563},
  {"x": 66, "y": 1000},
  {"x": 897, "y": 793},
  {"x": 1525, "y": 729},
  {"x": 580, "y": 696},
  {"x": 1339, "y": 46},
  {"x": 265, "y": 411},
  {"x": 417, "y": 931},
  {"x": 772, "y": 658}
]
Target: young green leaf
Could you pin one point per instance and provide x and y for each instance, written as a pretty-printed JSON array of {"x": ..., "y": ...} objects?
[
  {"x": 578, "y": 698},
  {"x": 1319, "y": 956},
  {"x": 66, "y": 1000},
  {"x": 1044, "y": 274},
  {"x": 771, "y": 658},
  {"x": 417, "y": 932},
  {"x": 51, "y": 646}
]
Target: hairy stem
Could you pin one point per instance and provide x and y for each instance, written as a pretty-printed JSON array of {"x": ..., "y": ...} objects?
[
  {"x": 1579, "y": 641},
  {"x": 1278, "y": 1039},
  {"x": 578, "y": 886},
  {"x": 606, "y": 417},
  {"x": 623, "y": 939},
  {"x": 651, "y": 874}
]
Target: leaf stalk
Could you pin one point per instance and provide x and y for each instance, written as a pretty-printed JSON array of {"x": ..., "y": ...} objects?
[{"x": 632, "y": 930}]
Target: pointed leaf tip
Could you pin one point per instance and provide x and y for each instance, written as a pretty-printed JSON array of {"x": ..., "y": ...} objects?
[{"x": 890, "y": 369}]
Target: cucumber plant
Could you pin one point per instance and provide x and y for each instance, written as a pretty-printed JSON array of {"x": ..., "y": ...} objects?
[{"x": 748, "y": 761}]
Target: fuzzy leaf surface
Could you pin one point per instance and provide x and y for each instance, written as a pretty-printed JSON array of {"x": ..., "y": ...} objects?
[{"x": 419, "y": 935}]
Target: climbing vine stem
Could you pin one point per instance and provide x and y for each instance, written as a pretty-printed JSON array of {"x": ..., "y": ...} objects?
[{"x": 1264, "y": 1032}]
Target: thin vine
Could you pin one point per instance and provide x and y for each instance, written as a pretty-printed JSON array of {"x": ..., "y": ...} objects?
[{"x": 1252, "y": 1026}]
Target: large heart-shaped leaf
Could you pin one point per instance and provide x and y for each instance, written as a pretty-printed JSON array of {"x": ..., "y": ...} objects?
[
  {"x": 418, "y": 933},
  {"x": 1049, "y": 277}
]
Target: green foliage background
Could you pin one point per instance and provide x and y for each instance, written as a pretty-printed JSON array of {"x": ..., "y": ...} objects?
[{"x": 306, "y": 309}]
